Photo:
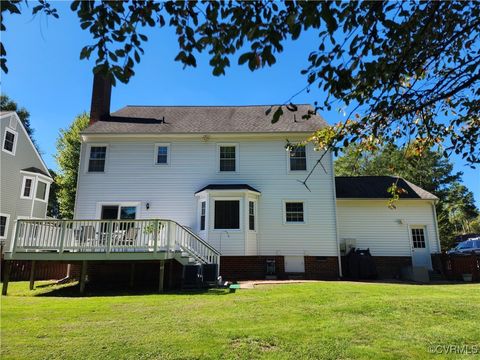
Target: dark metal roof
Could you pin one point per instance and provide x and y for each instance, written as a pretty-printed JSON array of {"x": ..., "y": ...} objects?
[
  {"x": 228, "y": 187},
  {"x": 375, "y": 187},
  {"x": 205, "y": 119},
  {"x": 36, "y": 171}
]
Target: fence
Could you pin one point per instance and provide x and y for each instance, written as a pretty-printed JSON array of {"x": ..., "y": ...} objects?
[{"x": 452, "y": 267}]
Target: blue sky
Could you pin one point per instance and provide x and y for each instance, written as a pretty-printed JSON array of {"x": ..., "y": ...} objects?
[{"x": 47, "y": 77}]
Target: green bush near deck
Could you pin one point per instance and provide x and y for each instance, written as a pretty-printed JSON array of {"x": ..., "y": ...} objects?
[{"x": 326, "y": 320}]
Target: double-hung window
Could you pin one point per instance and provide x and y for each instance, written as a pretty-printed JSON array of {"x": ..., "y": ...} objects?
[
  {"x": 251, "y": 215},
  {"x": 4, "y": 225},
  {"x": 41, "y": 193},
  {"x": 228, "y": 158},
  {"x": 203, "y": 212},
  {"x": 298, "y": 158},
  {"x": 162, "y": 154},
  {"x": 96, "y": 160},
  {"x": 294, "y": 212},
  {"x": 9, "y": 141},
  {"x": 27, "y": 188}
]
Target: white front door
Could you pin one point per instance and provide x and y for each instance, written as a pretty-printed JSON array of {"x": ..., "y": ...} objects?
[
  {"x": 420, "y": 250},
  {"x": 294, "y": 264}
]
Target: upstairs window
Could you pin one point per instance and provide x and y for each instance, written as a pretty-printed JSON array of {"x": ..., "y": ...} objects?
[
  {"x": 96, "y": 161},
  {"x": 251, "y": 215},
  {"x": 203, "y": 211},
  {"x": 41, "y": 193},
  {"x": 9, "y": 141},
  {"x": 298, "y": 158},
  {"x": 27, "y": 188},
  {"x": 294, "y": 212},
  {"x": 162, "y": 154},
  {"x": 228, "y": 155},
  {"x": 227, "y": 214}
]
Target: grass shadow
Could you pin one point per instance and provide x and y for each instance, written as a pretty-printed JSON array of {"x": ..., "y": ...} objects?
[{"x": 73, "y": 290}]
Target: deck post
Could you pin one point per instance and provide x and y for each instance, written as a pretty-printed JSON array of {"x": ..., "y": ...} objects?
[
  {"x": 155, "y": 237},
  {"x": 32, "y": 275},
  {"x": 132, "y": 274},
  {"x": 83, "y": 275},
  {"x": 62, "y": 236},
  {"x": 161, "y": 276},
  {"x": 6, "y": 277}
]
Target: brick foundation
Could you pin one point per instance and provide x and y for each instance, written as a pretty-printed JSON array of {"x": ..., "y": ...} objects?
[
  {"x": 234, "y": 268},
  {"x": 321, "y": 267}
]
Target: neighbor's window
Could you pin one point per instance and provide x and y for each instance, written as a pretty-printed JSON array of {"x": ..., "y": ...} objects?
[
  {"x": 298, "y": 158},
  {"x": 3, "y": 225},
  {"x": 96, "y": 162},
  {"x": 203, "y": 207},
  {"x": 41, "y": 190},
  {"x": 227, "y": 214},
  {"x": 227, "y": 158},
  {"x": 251, "y": 215},
  {"x": 27, "y": 187},
  {"x": 162, "y": 155},
  {"x": 9, "y": 141},
  {"x": 294, "y": 212}
]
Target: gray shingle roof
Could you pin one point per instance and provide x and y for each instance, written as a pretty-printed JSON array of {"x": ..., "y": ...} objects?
[
  {"x": 228, "y": 187},
  {"x": 36, "y": 171},
  {"x": 205, "y": 119},
  {"x": 375, "y": 187}
]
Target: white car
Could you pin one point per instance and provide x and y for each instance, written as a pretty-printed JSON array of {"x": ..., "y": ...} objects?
[{"x": 466, "y": 247}]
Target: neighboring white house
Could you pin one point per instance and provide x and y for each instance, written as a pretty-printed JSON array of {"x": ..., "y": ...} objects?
[{"x": 25, "y": 180}]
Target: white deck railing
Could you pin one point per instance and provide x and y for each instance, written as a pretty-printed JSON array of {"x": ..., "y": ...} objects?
[{"x": 110, "y": 236}]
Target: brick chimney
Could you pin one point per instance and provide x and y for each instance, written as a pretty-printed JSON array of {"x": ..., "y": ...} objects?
[{"x": 101, "y": 94}]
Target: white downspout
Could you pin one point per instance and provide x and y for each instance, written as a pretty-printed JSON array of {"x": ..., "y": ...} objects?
[
  {"x": 336, "y": 217},
  {"x": 435, "y": 223}
]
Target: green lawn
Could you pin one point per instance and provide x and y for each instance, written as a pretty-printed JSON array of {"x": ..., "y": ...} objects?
[{"x": 328, "y": 320}]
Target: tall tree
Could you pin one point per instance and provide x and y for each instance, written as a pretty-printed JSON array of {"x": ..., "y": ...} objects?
[
  {"x": 68, "y": 159},
  {"x": 405, "y": 70},
  {"x": 456, "y": 208},
  {"x": 7, "y": 104}
]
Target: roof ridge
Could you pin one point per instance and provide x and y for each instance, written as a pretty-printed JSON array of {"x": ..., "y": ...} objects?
[{"x": 226, "y": 106}]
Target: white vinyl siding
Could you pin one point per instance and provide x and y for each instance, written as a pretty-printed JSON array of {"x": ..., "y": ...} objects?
[
  {"x": 384, "y": 231},
  {"x": 260, "y": 163}
]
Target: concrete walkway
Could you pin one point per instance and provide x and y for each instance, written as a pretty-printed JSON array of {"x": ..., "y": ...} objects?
[{"x": 252, "y": 283}]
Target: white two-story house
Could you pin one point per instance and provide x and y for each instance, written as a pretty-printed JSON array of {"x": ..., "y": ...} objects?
[{"x": 219, "y": 184}]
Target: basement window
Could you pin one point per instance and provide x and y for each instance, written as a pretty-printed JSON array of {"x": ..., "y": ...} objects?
[{"x": 227, "y": 214}]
